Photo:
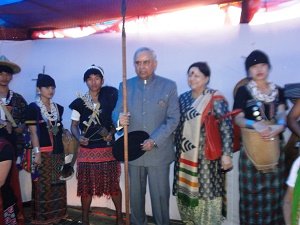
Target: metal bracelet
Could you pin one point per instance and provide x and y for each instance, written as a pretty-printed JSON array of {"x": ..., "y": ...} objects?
[
  {"x": 281, "y": 122},
  {"x": 36, "y": 150},
  {"x": 249, "y": 123}
]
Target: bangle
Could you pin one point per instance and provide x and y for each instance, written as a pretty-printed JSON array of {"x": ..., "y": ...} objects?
[
  {"x": 281, "y": 122},
  {"x": 249, "y": 123},
  {"x": 154, "y": 144},
  {"x": 36, "y": 150}
]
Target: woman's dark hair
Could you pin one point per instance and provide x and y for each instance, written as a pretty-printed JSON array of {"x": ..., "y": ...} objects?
[{"x": 203, "y": 67}]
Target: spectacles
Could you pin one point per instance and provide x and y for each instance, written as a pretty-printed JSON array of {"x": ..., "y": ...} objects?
[{"x": 144, "y": 63}]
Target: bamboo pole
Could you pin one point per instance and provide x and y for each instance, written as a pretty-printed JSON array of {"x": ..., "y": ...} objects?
[{"x": 125, "y": 111}]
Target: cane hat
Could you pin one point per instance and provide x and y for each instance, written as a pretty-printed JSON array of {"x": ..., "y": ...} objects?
[
  {"x": 5, "y": 62},
  {"x": 135, "y": 139}
]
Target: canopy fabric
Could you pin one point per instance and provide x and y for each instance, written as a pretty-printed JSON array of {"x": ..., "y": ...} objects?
[{"x": 20, "y": 18}]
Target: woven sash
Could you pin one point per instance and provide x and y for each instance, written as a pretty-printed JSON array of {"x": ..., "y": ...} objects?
[
  {"x": 188, "y": 165},
  {"x": 95, "y": 155}
]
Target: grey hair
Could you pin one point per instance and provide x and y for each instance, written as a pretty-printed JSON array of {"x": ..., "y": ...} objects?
[{"x": 144, "y": 49}]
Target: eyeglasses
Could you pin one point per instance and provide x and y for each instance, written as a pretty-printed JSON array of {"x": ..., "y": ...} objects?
[{"x": 144, "y": 63}]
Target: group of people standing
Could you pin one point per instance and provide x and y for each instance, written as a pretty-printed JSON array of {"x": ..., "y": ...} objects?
[
  {"x": 198, "y": 181},
  {"x": 98, "y": 172},
  {"x": 154, "y": 107}
]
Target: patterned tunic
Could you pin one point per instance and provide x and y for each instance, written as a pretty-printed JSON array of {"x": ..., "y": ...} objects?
[
  {"x": 210, "y": 179},
  {"x": 261, "y": 194},
  {"x": 17, "y": 106}
]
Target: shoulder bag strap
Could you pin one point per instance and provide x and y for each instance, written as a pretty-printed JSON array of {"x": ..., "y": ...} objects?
[
  {"x": 9, "y": 116},
  {"x": 236, "y": 111}
]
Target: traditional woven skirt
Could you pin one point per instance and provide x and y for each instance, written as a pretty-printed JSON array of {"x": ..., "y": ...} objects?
[
  {"x": 49, "y": 203},
  {"x": 10, "y": 215},
  {"x": 208, "y": 212},
  {"x": 98, "y": 173},
  {"x": 261, "y": 194}
]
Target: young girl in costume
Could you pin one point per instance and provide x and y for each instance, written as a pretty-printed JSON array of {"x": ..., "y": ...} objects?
[{"x": 44, "y": 119}]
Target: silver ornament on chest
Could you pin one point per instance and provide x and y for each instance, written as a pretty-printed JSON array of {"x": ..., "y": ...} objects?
[{"x": 54, "y": 130}]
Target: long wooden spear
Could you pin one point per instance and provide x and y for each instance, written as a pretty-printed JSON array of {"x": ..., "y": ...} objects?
[{"x": 125, "y": 111}]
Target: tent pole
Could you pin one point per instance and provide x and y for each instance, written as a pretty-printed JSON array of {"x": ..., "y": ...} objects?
[{"x": 125, "y": 111}]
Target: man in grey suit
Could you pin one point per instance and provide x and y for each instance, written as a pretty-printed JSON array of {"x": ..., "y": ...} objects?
[{"x": 153, "y": 106}]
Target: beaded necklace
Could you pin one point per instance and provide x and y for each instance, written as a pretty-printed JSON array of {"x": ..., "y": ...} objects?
[
  {"x": 88, "y": 102},
  {"x": 53, "y": 116},
  {"x": 7, "y": 100},
  {"x": 263, "y": 97}
]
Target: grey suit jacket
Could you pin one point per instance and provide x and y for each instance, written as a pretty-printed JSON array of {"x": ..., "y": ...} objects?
[{"x": 154, "y": 107}]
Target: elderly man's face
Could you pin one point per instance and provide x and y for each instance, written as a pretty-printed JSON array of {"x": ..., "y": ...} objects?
[
  {"x": 5, "y": 78},
  {"x": 145, "y": 64}
]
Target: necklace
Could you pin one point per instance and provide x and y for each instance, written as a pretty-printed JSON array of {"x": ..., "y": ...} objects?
[
  {"x": 7, "y": 100},
  {"x": 49, "y": 117},
  {"x": 53, "y": 115},
  {"x": 259, "y": 95},
  {"x": 88, "y": 102}
]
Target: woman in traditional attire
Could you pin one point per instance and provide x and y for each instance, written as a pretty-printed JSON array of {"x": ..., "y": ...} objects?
[
  {"x": 198, "y": 181},
  {"x": 98, "y": 172},
  {"x": 263, "y": 113},
  {"x": 11, "y": 211},
  {"x": 43, "y": 118}
]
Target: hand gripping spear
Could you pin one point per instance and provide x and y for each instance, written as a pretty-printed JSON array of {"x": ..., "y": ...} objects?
[{"x": 125, "y": 111}]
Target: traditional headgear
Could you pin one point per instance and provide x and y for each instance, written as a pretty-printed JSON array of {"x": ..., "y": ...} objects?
[
  {"x": 7, "y": 66},
  {"x": 256, "y": 57},
  {"x": 93, "y": 70},
  {"x": 45, "y": 80}
]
